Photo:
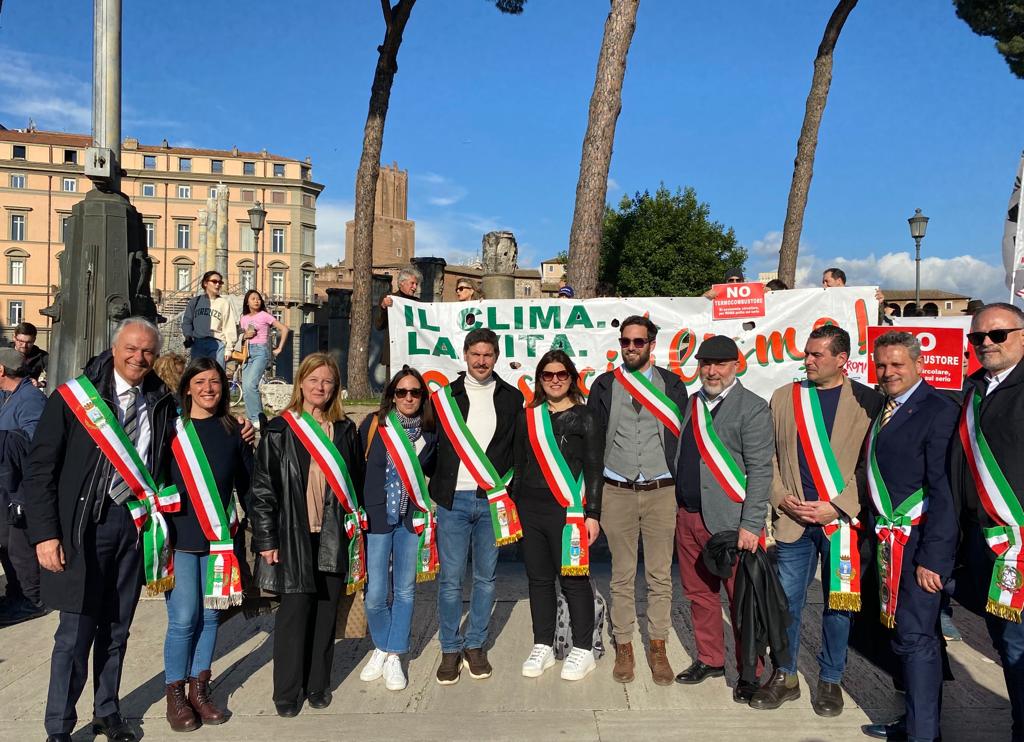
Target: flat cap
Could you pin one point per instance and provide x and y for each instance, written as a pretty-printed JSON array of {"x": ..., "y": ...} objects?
[
  {"x": 718, "y": 348},
  {"x": 12, "y": 360}
]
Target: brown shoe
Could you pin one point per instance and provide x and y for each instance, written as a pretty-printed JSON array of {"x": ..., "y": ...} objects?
[
  {"x": 657, "y": 658},
  {"x": 179, "y": 714},
  {"x": 450, "y": 669},
  {"x": 199, "y": 699},
  {"x": 624, "y": 663},
  {"x": 479, "y": 667},
  {"x": 828, "y": 699},
  {"x": 781, "y": 687}
]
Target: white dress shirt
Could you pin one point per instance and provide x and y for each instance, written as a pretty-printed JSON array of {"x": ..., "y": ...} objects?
[
  {"x": 121, "y": 389},
  {"x": 995, "y": 380}
]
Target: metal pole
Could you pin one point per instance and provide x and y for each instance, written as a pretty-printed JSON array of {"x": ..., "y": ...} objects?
[
  {"x": 917, "y": 280},
  {"x": 106, "y": 109}
]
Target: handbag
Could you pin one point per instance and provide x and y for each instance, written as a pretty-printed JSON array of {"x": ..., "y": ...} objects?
[{"x": 240, "y": 356}]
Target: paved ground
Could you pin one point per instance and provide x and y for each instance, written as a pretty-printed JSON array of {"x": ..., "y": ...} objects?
[{"x": 504, "y": 707}]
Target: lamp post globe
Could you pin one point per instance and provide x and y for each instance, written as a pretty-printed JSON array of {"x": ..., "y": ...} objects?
[{"x": 918, "y": 226}]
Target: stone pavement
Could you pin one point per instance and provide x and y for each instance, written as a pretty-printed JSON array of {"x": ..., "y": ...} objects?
[{"x": 506, "y": 706}]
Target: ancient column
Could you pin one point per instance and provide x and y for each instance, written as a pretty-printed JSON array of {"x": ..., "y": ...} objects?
[
  {"x": 500, "y": 255},
  {"x": 222, "y": 232}
]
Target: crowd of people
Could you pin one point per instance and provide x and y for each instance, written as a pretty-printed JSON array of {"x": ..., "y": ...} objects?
[{"x": 888, "y": 493}]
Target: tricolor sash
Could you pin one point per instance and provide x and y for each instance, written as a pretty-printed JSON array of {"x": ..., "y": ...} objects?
[
  {"x": 100, "y": 422},
  {"x": 892, "y": 526},
  {"x": 844, "y": 558},
  {"x": 403, "y": 455},
  {"x": 1006, "y": 539},
  {"x": 714, "y": 453},
  {"x": 223, "y": 575},
  {"x": 327, "y": 456},
  {"x": 567, "y": 489},
  {"x": 504, "y": 516},
  {"x": 656, "y": 401}
]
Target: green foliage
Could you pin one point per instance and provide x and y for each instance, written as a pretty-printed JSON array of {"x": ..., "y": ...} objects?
[
  {"x": 665, "y": 245},
  {"x": 512, "y": 7},
  {"x": 562, "y": 257},
  {"x": 1003, "y": 20}
]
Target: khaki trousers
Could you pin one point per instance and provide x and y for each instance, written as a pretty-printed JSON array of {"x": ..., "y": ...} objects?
[{"x": 627, "y": 516}]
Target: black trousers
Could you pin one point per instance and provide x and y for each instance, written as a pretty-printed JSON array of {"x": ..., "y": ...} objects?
[
  {"x": 304, "y": 639},
  {"x": 20, "y": 564},
  {"x": 113, "y": 581},
  {"x": 543, "y": 519}
]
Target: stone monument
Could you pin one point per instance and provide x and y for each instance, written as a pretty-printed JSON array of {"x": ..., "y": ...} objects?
[{"x": 500, "y": 256}]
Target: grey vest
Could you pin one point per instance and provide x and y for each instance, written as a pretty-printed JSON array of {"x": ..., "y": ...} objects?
[{"x": 635, "y": 446}]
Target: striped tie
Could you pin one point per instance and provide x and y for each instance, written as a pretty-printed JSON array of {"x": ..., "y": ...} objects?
[
  {"x": 119, "y": 489},
  {"x": 889, "y": 411}
]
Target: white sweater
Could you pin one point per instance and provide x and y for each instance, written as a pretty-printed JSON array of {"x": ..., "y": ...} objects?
[{"x": 481, "y": 422}]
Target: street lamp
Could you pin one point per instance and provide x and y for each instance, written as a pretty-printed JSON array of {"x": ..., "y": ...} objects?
[
  {"x": 918, "y": 224},
  {"x": 257, "y": 216}
]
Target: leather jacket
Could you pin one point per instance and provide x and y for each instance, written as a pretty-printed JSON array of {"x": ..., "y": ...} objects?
[
  {"x": 581, "y": 441},
  {"x": 280, "y": 519}
]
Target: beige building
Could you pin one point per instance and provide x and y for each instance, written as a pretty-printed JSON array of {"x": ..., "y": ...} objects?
[
  {"x": 42, "y": 177},
  {"x": 945, "y": 303}
]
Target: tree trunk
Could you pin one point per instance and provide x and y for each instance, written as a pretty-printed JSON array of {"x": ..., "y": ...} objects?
[
  {"x": 803, "y": 167},
  {"x": 592, "y": 187},
  {"x": 395, "y": 19}
]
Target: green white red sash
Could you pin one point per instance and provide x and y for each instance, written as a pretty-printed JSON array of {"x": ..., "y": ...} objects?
[
  {"x": 656, "y": 401},
  {"x": 150, "y": 501},
  {"x": 1006, "y": 539},
  {"x": 223, "y": 574},
  {"x": 714, "y": 453},
  {"x": 504, "y": 516},
  {"x": 892, "y": 526},
  {"x": 567, "y": 489},
  {"x": 844, "y": 557},
  {"x": 327, "y": 456},
  {"x": 403, "y": 455}
]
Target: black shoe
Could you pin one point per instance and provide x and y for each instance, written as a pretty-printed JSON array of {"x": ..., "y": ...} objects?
[
  {"x": 698, "y": 672},
  {"x": 288, "y": 710},
  {"x": 320, "y": 699},
  {"x": 895, "y": 731},
  {"x": 16, "y": 611},
  {"x": 114, "y": 727},
  {"x": 828, "y": 699},
  {"x": 745, "y": 690},
  {"x": 59, "y": 737}
]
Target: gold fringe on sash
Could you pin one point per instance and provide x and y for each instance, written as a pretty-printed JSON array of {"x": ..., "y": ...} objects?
[
  {"x": 838, "y": 601},
  {"x": 160, "y": 586},
  {"x": 426, "y": 576},
  {"x": 353, "y": 587},
  {"x": 1006, "y": 612},
  {"x": 583, "y": 571},
  {"x": 222, "y": 602},
  {"x": 508, "y": 540},
  {"x": 888, "y": 621}
]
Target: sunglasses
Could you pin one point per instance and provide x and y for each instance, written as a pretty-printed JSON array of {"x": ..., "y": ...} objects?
[
  {"x": 635, "y": 342},
  {"x": 214, "y": 280},
  {"x": 463, "y": 288},
  {"x": 562, "y": 375},
  {"x": 997, "y": 336},
  {"x": 414, "y": 393}
]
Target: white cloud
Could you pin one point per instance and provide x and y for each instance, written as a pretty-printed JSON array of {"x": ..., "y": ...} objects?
[
  {"x": 442, "y": 200},
  {"x": 330, "y": 229},
  {"x": 38, "y": 87},
  {"x": 768, "y": 245},
  {"x": 613, "y": 186},
  {"x": 440, "y": 190}
]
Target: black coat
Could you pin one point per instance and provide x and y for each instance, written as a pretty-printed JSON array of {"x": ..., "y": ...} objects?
[
  {"x": 582, "y": 445},
  {"x": 280, "y": 519},
  {"x": 508, "y": 403},
  {"x": 66, "y": 470},
  {"x": 380, "y": 322},
  {"x": 374, "y": 497}
]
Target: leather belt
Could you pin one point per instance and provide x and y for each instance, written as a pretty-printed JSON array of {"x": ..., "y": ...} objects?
[{"x": 641, "y": 486}]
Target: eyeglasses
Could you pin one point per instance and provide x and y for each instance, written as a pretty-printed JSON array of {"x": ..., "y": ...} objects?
[
  {"x": 414, "y": 393},
  {"x": 214, "y": 280},
  {"x": 635, "y": 342},
  {"x": 997, "y": 336},
  {"x": 562, "y": 375},
  {"x": 463, "y": 288}
]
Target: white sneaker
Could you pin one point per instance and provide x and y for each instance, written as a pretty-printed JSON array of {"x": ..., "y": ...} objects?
[
  {"x": 375, "y": 667},
  {"x": 541, "y": 658},
  {"x": 394, "y": 678},
  {"x": 578, "y": 664}
]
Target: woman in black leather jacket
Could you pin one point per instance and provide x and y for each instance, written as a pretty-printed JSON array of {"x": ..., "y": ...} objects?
[
  {"x": 298, "y": 531},
  {"x": 579, "y": 439}
]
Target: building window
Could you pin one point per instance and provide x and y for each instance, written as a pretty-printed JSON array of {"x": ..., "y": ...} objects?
[
  {"x": 277, "y": 283},
  {"x": 16, "y": 271},
  {"x": 18, "y": 152},
  {"x": 277, "y": 197},
  {"x": 149, "y": 162},
  {"x": 70, "y": 157},
  {"x": 149, "y": 190},
  {"x": 304, "y": 170},
  {"x": 949, "y": 305},
  {"x": 184, "y": 191},
  {"x": 184, "y": 236},
  {"x": 185, "y": 164},
  {"x": 245, "y": 278},
  {"x": 307, "y": 286},
  {"x": 277, "y": 240},
  {"x": 15, "y": 312},
  {"x": 17, "y": 181},
  {"x": 65, "y": 222},
  {"x": 278, "y": 170},
  {"x": 70, "y": 185},
  {"x": 398, "y": 251},
  {"x": 307, "y": 201},
  {"x": 216, "y": 166},
  {"x": 184, "y": 277},
  {"x": 308, "y": 241},
  {"x": 527, "y": 290},
  {"x": 150, "y": 234},
  {"x": 278, "y": 315},
  {"x": 248, "y": 195},
  {"x": 248, "y": 168},
  {"x": 17, "y": 228},
  {"x": 213, "y": 192}
]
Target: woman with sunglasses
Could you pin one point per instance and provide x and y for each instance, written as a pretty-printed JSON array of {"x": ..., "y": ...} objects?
[
  {"x": 557, "y": 489},
  {"x": 256, "y": 323},
  {"x": 399, "y": 442}
]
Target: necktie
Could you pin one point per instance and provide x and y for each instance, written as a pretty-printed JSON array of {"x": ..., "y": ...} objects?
[
  {"x": 888, "y": 411},
  {"x": 119, "y": 489}
]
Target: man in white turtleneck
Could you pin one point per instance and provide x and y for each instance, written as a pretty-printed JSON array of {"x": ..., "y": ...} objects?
[{"x": 489, "y": 407}]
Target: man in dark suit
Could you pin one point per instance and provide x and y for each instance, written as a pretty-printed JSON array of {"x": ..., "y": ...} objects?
[
  {"x": 409, "y": 279},
  {"x": 991, "y": 490},
  {"x": 916, "y": 526}
]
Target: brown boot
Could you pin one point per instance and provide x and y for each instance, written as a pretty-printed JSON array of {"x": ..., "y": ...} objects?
[
  {"x": 199, "y": 698},
  {"x": 657, "y": 658},
  {"x": 179, "y": 714},
  {"x": 624, "y": 663}
]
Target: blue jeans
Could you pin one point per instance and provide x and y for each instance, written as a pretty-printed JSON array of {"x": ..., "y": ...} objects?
[
  {"x": 796, "y": 564},
  {"x": 208, "y": 347},
  {"x": 191, "y": 629},
  {"x": 467, "y": 525},
  {"x": 252, "y": 371},
  {"x": 391, "y": 568}
]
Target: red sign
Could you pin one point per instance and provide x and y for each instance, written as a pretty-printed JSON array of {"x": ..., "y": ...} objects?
[
  {"x": 942, "y": 352},
  {"x": 737, "y": 300}
]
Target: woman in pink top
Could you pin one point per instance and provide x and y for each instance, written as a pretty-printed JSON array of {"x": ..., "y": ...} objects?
[{"x": 256, "y": 323}]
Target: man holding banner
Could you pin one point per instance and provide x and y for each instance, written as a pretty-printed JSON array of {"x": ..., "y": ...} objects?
[
  {"x": 639, "y": 408},
  {"x": 818, "y": 478},
  {"x": 988, "y": 476},
  {"x": 477, "y": 414}
]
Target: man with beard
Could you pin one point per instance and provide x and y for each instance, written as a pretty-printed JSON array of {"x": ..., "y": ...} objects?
[{"x": 639, "y": 407}]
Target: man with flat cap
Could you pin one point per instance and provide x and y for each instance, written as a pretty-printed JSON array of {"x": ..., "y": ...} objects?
[{"x": 723, "y": 484}]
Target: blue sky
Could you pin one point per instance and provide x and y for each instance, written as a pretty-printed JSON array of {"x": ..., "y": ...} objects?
[{"x": 488, "y": 113}]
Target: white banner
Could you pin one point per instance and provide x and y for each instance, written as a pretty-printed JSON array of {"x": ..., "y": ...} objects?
[{"x": 429, "y": 336}]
